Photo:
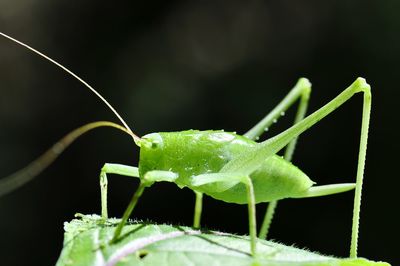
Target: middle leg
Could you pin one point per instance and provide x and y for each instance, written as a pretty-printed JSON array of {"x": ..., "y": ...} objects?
[
  {"x": 229, "y": 180},
  {"x": 147, "y": 180},
  {"x": 197, "y": 209}
]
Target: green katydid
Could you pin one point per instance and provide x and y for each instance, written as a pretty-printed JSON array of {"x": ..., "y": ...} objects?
[{"x": 223, "y": 165}]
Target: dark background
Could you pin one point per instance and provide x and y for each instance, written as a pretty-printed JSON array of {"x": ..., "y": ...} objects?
[{"x": 174, "y": 65}]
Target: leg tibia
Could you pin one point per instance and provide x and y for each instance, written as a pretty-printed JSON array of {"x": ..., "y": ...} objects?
[
  {"x": 269, "y": 215},
  {"x": 149, "y": 178},
  {"x": 118, "y": 169},
  {"x": 215, "y": 178},
  {"x": 360, "y": 170},
  {"x": 103, "y": 191},
  {"x": 198, "y": 209},
  {"x": 302, "y": 90}
]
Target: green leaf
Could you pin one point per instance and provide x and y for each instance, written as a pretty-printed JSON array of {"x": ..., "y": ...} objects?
[{"x": 86, "y": 243}]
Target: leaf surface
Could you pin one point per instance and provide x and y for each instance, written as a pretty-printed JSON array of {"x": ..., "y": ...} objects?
[{"x": 87, "y": 239}]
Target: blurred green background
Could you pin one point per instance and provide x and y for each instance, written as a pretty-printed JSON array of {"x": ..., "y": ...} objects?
[{"x": 175, "y": 65}]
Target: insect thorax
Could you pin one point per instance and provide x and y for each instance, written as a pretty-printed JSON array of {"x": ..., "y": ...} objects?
[{"x": 190, "y": 152}]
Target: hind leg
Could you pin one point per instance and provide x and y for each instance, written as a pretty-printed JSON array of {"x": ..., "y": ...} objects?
[
  {"x": 300, "y": 91},
  {"x": 249, "y": 161}
]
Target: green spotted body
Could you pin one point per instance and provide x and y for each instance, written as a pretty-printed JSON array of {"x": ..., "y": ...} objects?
[{"x": 192, "y": 153}]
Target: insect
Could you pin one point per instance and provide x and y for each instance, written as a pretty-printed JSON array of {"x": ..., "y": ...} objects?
[{"x": 226, "y": 166}]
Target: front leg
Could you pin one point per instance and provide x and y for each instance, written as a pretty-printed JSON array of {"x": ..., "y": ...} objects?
[{"x": 111, "y": 168}]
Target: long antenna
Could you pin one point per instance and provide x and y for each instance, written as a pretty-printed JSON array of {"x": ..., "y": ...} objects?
[
  {"x": 135, "y": 137},
  {"x": 26, "y": 174}
]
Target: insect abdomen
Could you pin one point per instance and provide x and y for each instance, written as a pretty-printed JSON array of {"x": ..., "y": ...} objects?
[{"x": 275, "y": 179}]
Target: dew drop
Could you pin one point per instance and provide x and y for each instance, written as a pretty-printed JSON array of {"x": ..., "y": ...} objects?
[
  {"x": 274, "y": 120},
  {"x": 257, "y": 138},
  {"x": 282, "y": 113},
  {"x": 266, "y": 129}
]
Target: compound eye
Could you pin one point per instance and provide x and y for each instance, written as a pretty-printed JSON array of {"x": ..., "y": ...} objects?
[
  {"x": 154, "y": 144},
  {"x": 152, "y": 141}
]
